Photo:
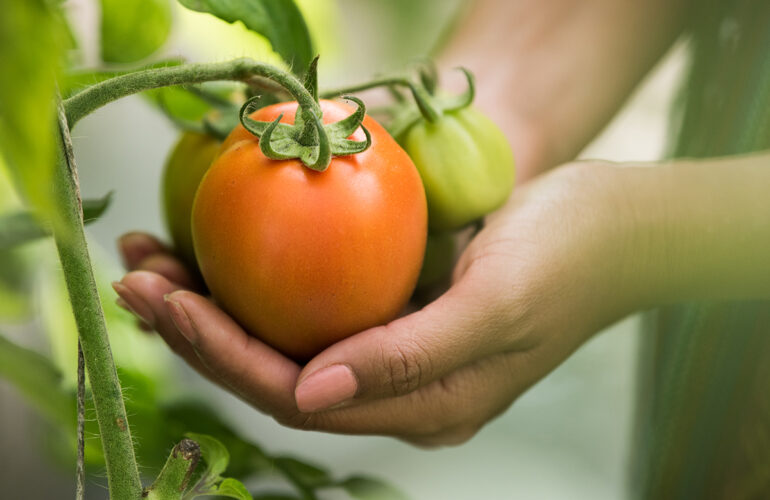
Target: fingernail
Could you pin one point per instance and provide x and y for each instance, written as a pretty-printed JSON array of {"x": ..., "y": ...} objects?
[
  {"x": 325, "y": 388},
  {"x": 181, "y": 319},
  {"x": 133, "y": 303}
]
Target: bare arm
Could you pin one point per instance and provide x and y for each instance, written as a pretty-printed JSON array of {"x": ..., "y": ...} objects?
[{"x": 552, "y": 73}]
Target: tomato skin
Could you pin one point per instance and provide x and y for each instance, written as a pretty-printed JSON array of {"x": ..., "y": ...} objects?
[
  {"x": 301, "y": 258},
  {"x": 185, "y": 167},
  {"x": 466, "y": 164}
]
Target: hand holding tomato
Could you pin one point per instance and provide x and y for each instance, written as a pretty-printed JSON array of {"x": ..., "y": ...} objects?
[{"x": 526, "y": 293}]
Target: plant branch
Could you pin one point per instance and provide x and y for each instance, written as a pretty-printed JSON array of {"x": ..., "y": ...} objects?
[
  {"x": 245, "y": 70},
  {"x": 81, "y": 429},
  {"x": 390, "y": 81},
  {"x": 122, "y": 470},
  {"x": 174, "y": 478}
]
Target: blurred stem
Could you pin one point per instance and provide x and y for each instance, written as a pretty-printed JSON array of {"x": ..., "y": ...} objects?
[
  {"x": 81, "y": 470},
  {"x": 122, "y": 470},
  {"x": 244, "y": 70},
  {"x": 391, "y": 82}
]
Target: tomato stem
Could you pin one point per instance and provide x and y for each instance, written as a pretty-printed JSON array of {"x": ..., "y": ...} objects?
[
  {"x": 122, "y": 471},
  {"x": 245, "y": 70}
]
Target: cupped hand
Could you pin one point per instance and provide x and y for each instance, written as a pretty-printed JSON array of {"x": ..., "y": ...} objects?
[{"x": 550, "y": 269}]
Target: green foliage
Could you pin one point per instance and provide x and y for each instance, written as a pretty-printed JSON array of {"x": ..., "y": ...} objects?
[
  {"x": 38, "y": 380},
  {"x": 20, "y": 226},
  {"x": 211, "y": 482},
  {"x": 32, "y": 43},
  {"x": 366, "y": 488},
  {"x": 280, "y": 21},
  {"x": 131, "y": 30}
]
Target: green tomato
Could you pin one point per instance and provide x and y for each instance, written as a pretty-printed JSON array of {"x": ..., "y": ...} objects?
[
  {"x": 466, "y": 165},
  {"x": 438, "y": 261},
  {"x": 186, "y": 165}
]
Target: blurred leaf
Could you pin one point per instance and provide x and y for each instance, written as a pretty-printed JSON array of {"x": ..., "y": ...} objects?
[
  {"x": 93, "y": 208},
  {"x": 133, "y": 29},
  {"x": 38, "y": 380},
  {"x": 280, "y": 21},
  {"x": 232, "y": 488},
  {"x": 275, "y": 496},
  {"x": 214, "y": 454},
  {"x": 210, "y": 482},
  {"x": 366, "y": 488},
  {"x": 32, "y": 44},
  {"x": 21, "y": 226},
  {"x": 309, "y": 476}
]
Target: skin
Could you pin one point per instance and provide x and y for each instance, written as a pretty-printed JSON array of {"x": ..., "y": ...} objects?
[{"x": 573, "y": 250}]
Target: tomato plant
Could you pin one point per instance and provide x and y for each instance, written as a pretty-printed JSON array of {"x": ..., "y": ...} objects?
[
  {"x": 303, "y": 258},
  {"x": 464, "y": 159}
]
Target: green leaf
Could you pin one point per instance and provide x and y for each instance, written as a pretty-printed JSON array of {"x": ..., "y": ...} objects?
[
  {"x": 131, "y": 30},
  {"x": 280, "y": 21},
  {"x": 38, "y": 380},
  {"x": 304, "y": 474},
  {"x": 366, "y": 488},
  {"x": 95, "y": 207},
  {"x": 33, "y": 39},
  {"x": 214, "y": 454},
  {"x": 232, "y": 488},
  {"x": 21, "y": 226},
  {"x": 275, "y": 496}
]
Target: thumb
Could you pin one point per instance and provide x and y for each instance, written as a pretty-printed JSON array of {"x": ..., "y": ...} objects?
[{"x": 467, "y": 323}]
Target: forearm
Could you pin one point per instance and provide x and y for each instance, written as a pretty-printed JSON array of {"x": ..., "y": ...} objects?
[
  {"x": 553, "y": 73},
  {"x": 704, "y": 228}
]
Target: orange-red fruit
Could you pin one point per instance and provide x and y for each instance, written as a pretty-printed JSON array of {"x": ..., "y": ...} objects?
[{"x": 302, "y": 259}]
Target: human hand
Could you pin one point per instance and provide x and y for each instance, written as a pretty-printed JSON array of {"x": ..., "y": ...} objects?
[{"x": 549, "y": 270}]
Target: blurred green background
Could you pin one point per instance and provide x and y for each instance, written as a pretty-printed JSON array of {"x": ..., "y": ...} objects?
[{"x": 567, "y": 438}]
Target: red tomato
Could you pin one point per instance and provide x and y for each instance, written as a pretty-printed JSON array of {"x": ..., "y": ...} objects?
[{"x": 300, "y": 258}]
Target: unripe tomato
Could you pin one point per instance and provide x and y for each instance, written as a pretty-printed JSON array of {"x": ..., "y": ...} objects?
[
  {"x": 466, "y": 164},
  {"x": 185, "y": 167},
  {"x": 438, "y": 261},
  {"x": 301, "y": 258}
]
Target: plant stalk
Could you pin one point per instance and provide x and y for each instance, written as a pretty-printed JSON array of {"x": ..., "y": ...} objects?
[
  {"x": 96, "y": 96},
  {"x": 175, "y": 476},
  {"x": 122, "y": 471}
]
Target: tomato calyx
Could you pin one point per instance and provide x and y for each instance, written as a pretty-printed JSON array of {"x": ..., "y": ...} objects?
[
  {"x": 430, "y": 106},
  {"x": 427, "y": 104},
  {"x": 308, "y": 139}
]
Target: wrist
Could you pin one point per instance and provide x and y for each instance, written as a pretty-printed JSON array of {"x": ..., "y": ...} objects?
[{"x": 701, "y": 229}]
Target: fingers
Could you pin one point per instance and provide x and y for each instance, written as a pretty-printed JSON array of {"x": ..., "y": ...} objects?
[
  {"x": 250, "y": 368},
  {"x": 134, "y": 247},
  {"x": 446, "y": 412},
  {"x": 144, "y": 252},
  {"x": 462, "y": 326},
  {"x": 143, "y": 292}
]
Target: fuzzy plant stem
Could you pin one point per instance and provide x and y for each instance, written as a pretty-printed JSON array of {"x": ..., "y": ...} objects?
[
  {"x": 245, "y": 70},
  {"x": 175, "y": 476},
  {"x": 80, "y": 490},
  {"x": 122, "y": 471}
]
